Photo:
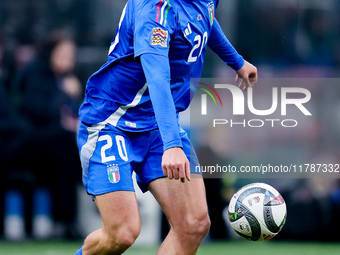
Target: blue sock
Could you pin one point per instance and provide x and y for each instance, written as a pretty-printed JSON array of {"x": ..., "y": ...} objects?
[{"x": 80, "y": 251}]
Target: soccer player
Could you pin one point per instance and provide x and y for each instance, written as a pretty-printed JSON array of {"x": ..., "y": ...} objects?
[{"x": 129, "y": 122}]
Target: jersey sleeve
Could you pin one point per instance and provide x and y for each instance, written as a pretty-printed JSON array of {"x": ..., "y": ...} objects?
[
  {"x": 220, "y": 44},
  {"x": 157, "y": 73},
  {"x": 153, "y": 25}
]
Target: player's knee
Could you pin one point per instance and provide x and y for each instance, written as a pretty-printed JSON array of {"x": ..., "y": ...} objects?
[
  {"x": 195, "y": 225},
  {"x": 202, "y": 225},
  {"x": 126, "y": 239},
  {"x": 121, "y": 239}
]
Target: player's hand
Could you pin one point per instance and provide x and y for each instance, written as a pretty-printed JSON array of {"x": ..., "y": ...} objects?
[
  {"x": 175, "y": 164},
  {"x": 246, "y": 76}
]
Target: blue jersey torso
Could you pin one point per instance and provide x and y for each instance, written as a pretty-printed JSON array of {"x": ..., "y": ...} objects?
[{"x": 179, "y": 29}]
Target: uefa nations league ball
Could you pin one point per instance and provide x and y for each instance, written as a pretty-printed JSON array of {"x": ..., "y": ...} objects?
[{"x": 257, "y": 212}]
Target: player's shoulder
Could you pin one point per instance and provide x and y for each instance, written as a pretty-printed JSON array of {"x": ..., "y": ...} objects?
[
  {"x": 156, "y": 5},
  {"x": 163, "y": 12}
]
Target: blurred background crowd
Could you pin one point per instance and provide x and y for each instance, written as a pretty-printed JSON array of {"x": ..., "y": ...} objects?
[{"x": 48, "y": 49}]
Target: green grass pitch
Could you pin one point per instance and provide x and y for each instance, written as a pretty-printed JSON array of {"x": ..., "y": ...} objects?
[{"x": 220, "y": 248}]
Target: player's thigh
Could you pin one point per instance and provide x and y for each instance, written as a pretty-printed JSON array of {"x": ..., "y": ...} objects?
[
  {"x": 119, "y": 213},
  {"x": 184, "y": 204},
  {"x": 106, "y": 154}
]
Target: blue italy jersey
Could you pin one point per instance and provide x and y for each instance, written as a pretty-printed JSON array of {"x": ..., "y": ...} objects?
[{"x": 159, "y": 45}]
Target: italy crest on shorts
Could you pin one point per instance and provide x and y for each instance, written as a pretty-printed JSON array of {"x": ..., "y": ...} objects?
[
  {"x": 113, "y": 173},
  {"x": 211, "y": 9}
]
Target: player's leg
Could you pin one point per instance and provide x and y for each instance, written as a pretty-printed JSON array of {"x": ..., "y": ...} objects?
[
  {"x": 120, "y": 224},
  {"x": 106, "y": 154},
  {"x": 185, "y": 206}
]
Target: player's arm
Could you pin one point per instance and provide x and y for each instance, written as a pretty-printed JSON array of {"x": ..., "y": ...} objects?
[
  {"x": 153, "y": 25},
  {"x": 246, "y": 73},
  {"x": 157, "y": 72}
]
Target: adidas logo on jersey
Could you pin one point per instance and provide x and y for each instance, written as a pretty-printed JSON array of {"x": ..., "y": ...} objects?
[{"x": 187, "y": 31}]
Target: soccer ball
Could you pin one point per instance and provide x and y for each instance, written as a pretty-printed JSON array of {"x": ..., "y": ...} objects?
[{"x": 257, "y": 212}]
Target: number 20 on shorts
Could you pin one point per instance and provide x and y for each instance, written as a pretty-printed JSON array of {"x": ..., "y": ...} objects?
[{"x": 120, "y": 141}]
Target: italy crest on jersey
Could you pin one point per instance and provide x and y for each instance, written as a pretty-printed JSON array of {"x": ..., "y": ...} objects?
[
  {"x": 113, "y": 173},
  {"x": 211, "y": 9}
]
